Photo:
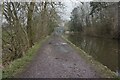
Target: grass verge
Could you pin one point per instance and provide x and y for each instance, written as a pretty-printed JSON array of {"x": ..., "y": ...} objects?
[
  {"x": 18, "y": 65},
  {"x": 101, "y": 69},
  {"x": 0, "y": 73}
]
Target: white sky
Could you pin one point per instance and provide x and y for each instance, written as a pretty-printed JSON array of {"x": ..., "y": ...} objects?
[{"x": 70, "y": 5}]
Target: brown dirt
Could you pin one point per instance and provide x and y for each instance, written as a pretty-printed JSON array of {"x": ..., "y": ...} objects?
[{"x": 57, "y": 59}]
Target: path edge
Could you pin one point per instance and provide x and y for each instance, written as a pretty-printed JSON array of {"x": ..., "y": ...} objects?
[
  {"x": 10, "y": 71},
  {"x": 101, "y": 69}
]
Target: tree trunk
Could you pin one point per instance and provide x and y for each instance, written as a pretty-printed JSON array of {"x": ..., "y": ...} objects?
[{"x": 29, "y": 23}]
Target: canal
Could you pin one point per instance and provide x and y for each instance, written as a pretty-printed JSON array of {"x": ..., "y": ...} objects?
[{"x": 103, "y": 50}]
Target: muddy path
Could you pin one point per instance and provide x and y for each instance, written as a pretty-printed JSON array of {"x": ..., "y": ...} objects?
[{"x": 57, "y": 59}]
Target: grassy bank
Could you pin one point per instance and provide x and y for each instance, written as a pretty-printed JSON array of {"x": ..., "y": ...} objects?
[
  {"x": 0, "y": 68},
  {"x": 18, "y": 65},
  {"x": 0, "y": 73},
  {"x": 101, "y": 69}
]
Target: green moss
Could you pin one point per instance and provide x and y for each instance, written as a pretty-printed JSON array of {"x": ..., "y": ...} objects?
[
  {"x": 18, "y": 65},
  {"x": 101, "y": 69}
]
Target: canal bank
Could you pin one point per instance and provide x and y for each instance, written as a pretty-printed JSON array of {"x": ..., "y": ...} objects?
[
  {"x": 104, "y": 50},
  {"x": 103, "y": 70},
  {"x": 58, "y": 59}
]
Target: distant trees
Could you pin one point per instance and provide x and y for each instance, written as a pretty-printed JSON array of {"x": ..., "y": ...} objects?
[
  {"x": 75, "y": 21},
  {"x": 26, "y": 23},
  {"x": 96, "y": 19},
  {"x": 108, "y": 15}
]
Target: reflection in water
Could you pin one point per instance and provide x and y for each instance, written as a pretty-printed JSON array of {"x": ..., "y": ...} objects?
[{"x": 102, "y": 50}]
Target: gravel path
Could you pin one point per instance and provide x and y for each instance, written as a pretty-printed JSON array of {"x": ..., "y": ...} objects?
[{"x": 57, "y": 59}]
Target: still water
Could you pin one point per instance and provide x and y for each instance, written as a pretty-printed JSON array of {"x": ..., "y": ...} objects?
[{"x": 102, "y": 50}]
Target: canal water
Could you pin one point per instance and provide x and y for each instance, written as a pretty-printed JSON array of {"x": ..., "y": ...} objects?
[{"x": 103, "y": 50}]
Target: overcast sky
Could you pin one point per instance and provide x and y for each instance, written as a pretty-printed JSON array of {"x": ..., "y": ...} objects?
[{"x": 70, "y": 5}]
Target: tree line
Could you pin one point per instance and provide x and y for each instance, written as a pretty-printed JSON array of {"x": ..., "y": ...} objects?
[
  {"x": 98, "y": 19},
  {"x": 26, "y": 23}
]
